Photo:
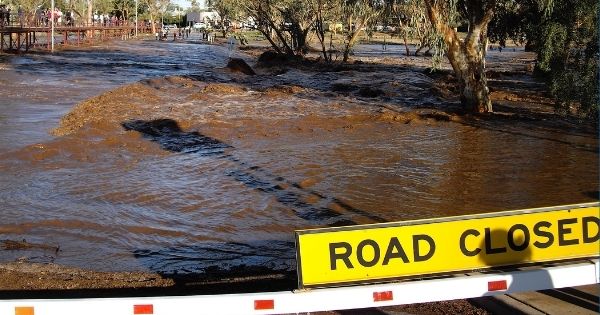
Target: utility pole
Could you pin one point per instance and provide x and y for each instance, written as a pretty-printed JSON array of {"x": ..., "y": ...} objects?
[
  {"x": 52, "y": 15},
  {"x": 136, "y": 18}
]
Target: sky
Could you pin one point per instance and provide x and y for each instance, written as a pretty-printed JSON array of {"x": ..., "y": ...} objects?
[{"x": 186, "y": 3}]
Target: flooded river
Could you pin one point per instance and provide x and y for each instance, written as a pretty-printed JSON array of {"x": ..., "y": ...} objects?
[{"x": 213, "y": 170}]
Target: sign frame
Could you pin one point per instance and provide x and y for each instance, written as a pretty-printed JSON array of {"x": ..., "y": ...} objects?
[{"x": 489, "y": 215}]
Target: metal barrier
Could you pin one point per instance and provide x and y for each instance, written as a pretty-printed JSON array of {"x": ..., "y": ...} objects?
[{"x": 311, "y": 300}]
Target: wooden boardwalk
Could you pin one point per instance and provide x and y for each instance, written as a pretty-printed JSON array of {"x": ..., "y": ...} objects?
[{"x": 16, "y": 39}]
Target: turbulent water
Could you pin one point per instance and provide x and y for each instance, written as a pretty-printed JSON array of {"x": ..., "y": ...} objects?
[{"x": 228, "y": 194}]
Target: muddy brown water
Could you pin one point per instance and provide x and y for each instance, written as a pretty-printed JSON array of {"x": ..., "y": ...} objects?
[{"x": 213, "y": 171}]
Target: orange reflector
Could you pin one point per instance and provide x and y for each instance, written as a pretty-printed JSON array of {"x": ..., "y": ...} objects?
[
  {"x": 143, "y": 309},
  {"x": 383, "y": 296},
  {"x": 24, "y": 310},
  {"x": 264, "y": 304},
  {"x": 497, "y": 285}
]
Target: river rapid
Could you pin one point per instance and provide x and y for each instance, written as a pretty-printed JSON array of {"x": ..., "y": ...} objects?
[{"x": 165, "y": 161}]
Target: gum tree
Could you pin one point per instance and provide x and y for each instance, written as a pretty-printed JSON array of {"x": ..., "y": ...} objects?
[
  {"x": 284, "y": 23},
  {"x": 358, "y": 14},
  {"x": 155, "y": 9},
  {"x": 325, "y": 11},
  {"x": 228, "y": 10},
  {"x": 467, "y": 56},
  {"x": 411, "y": 21}
]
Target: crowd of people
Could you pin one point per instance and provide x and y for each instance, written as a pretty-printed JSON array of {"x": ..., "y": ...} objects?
[
  {"x": 5, "y": 13},
  {"x": 43, "y": 17},
  {"x": 107, "y": 20}
]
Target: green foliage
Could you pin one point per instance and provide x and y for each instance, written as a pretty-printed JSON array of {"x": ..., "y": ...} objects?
[
  {"x": 29, "y": 6},
  {"x": 104, "y": 6},
  {"x": 358, "y": 15},
  {"x": 552, "y": 46},
  {"x": 568, "y": 55},
  {"x": 284, "y": 23},
  {"x": 575, "y": 88},
  {"x": 514, "y": 20},
  {"x": 564, "y": 33}
]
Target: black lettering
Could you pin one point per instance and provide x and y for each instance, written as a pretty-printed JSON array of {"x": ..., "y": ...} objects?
[
  {"x": 394, "y": 250},
  {"x": 586, "y": 237},
  {"x": 426, "y": 238},
  {"x": 344, "y": 256},
  {"x": 562, "y": 230},
  {"x": 463, "y": 246},
  {"x": 488, "y": 244},
  {"x": 361, "y": 258},
  {"x": 511, "y": 237},
  {"x": 537, "y": 231}
]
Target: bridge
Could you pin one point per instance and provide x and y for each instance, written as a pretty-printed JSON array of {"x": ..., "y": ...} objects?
[{"x": 22, "y": 39}]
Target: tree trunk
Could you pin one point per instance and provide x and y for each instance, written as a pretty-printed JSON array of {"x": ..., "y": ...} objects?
[
  {"x": 223, "y": 28},
  {"x": 467, "y": 57},
  {"x": 406, "y": 45},
  {"x": 419, "y": 49},
  {"x": 267, "y": 34},
  {"x": 469, "y": 69},
  {"x": 404, "y": 37},
  {"x": 321, "y": 36},
  {"x": 320, "y": 30},
  {"x": 152, "y": 24},
  {"x": 352, "y": 38},
  {"x": 90, "y": 13}
]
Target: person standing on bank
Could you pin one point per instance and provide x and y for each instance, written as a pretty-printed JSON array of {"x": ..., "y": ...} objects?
[{"x": 20, "y": 13}]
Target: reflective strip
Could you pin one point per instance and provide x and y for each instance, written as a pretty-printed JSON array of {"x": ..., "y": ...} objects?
[{"x": 497, "y": 285}]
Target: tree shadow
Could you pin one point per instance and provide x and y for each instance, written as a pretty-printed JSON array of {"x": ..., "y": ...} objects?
[
  {"x": 575, "y": 297},
  {"x": 592, "y": 194},
  {"x": 211, "y": 261},
  {"x": 518, "y": 245},
  {"x": 538, "y": 126},
  {"x": 500, "y": 248},
  {"x": 227, "y": 267},
  {"x": 170, "y": 137},
  {"x": 503, "y": 251}
]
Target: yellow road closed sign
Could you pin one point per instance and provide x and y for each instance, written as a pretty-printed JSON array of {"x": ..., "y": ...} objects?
[{"x": 379, "y": 252}]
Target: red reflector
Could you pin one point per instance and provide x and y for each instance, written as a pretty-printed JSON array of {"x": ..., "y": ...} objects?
[
  {"x": 143, "y": 309},
  {"x": 264, "y": 304},
  {"x": 497, "y": 285},
  {"x": 383, "y": 296}
]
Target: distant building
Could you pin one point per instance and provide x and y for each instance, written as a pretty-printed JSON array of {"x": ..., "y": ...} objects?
[
  {"x": 192, "y": 17},
  {"x": 208, "y": 17}
]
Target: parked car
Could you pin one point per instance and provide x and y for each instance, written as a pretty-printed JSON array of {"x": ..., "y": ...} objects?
[
  {"x": 169, "y": 27},
  {"x": 199, "y": 25}
]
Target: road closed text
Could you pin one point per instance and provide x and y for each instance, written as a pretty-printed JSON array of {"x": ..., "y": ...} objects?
[{"x": 387, "y": 251}]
